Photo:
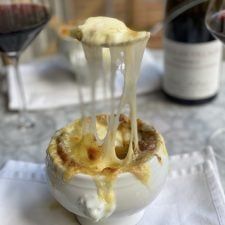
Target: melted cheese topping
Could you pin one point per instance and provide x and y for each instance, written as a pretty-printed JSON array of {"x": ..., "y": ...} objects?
[{"x": 72, "y": 149}]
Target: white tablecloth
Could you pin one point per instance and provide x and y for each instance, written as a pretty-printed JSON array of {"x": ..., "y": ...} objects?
[{"x": 192, "y": 195}]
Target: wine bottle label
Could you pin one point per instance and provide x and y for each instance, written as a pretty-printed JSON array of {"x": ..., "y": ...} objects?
[{"x": 192, "y": 71}]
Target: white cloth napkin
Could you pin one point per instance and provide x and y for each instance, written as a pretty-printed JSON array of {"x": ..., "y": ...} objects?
[
  {"x": 49, "y": 84},
  {"x": 193, "y": 195}
]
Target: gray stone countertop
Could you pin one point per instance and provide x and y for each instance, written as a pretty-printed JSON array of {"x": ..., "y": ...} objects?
[{"x": 185, "y": 128}]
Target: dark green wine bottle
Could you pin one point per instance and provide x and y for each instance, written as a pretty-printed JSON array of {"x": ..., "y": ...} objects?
[{"x": 192, "y": 56}]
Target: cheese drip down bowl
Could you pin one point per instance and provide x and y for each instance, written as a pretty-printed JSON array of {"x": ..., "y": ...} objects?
[{"x": 103, "y": 193}]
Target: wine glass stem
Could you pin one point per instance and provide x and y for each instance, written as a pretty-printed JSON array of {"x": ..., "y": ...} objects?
[{"x": 24, "y": 121}]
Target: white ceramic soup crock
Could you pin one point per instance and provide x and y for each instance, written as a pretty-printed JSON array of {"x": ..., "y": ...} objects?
[{"x": 79, "y": 194}]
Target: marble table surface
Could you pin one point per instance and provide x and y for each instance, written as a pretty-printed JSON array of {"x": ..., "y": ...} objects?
[{"x": 185, "y": 128}]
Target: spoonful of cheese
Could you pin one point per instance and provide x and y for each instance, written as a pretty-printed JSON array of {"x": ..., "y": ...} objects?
[{"x": 105, "y": 32}]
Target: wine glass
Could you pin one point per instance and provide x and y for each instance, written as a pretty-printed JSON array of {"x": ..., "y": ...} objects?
[
  {"x": 21, "y": 21},
  {"x": 215, "y": 22}
]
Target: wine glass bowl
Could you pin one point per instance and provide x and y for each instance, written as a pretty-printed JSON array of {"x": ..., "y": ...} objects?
[
  {"x": 21, "y": 21},
  {"x": 215, "y": 19}
]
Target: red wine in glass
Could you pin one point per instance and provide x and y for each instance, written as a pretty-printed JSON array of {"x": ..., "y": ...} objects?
[{"x": 20, "y": 24}]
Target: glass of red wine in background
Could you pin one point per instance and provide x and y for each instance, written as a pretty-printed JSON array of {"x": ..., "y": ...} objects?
[
  {"x": 215, "y": 22},
  {"x": 20, "y": 22}
]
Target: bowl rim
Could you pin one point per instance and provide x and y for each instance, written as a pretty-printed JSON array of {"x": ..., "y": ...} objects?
[
  {"x": 160, "y": 149},
  {"x": 125, "y": 179}
]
